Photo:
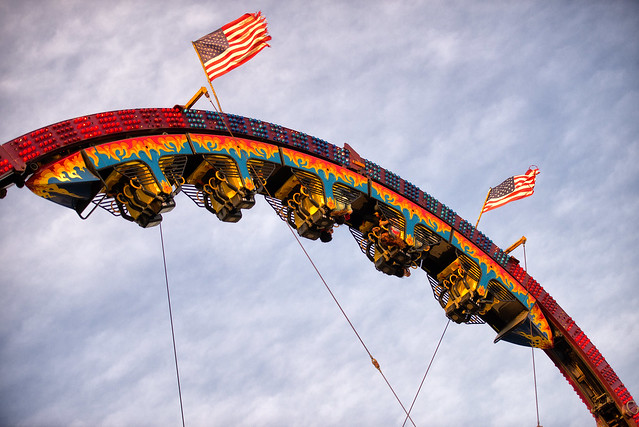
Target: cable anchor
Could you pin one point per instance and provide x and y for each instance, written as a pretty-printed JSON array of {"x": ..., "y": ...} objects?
[{"x": 375, "y": 363}]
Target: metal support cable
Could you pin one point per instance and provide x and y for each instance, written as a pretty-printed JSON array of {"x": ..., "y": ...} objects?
[
  {"x": 168, "y": 296},
  {"x": 426, "y": 373},
  {"x": 373, "y": 360},
  {"x": 532, "y": 350}
]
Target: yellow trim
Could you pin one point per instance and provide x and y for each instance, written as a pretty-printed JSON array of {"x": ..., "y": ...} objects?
[
  {"x": 196, "y": 97},
  {"x": 514, "y": 246}
]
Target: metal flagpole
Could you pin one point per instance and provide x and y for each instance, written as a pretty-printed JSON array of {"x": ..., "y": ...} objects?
[
  {"x": 482, "y": 207},
  {"x": 207, "y": 77}
]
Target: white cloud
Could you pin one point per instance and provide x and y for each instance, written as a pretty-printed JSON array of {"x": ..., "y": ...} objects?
[{"x": 454, "y": 99}]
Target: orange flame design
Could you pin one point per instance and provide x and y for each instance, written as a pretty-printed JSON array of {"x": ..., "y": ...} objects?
[
  {"x": 536, "y": 341},
  {"x": 515, "y": 287},
  {"x": 395, "y": 199},
  {"x": 542, "y": 324},
  {"x": 330, "y": 169},
  {"x": 134, "y": 147},
  {"x": 241, "y": 147},
  {"x": 63, "y": 170},
  {"x": 410, "y": 208},
  {"x": 50, "y": 191}
]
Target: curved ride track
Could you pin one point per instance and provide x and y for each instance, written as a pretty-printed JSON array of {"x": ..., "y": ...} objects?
[{"x": 133, "y": 162}]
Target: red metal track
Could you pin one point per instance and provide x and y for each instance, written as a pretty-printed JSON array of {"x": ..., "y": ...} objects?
[{"x": 574, "y": 354}]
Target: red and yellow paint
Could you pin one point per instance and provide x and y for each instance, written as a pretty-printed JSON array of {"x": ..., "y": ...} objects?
[
  {"x": 411, "y": 211},
  {"x": 239, "y": 149},
  {"x": 46, "y": 182},
  {"x": 235, "y": 147},
  {"x": 330, "y": 172},
  {"x": 147, "y": 149},
  {"x": 68, "y": 169},
  {"x": 490, "y": 269}
]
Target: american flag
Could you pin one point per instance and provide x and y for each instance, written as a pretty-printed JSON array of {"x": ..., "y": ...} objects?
[
  {"x": 514, "y": 188},
  {"x": 232, "y": 45}
]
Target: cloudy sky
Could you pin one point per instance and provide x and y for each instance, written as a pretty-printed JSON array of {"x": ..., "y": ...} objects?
[{"x": 452, "y": 96}]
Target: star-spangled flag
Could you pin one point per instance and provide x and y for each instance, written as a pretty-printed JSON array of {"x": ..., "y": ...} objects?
[
  {"x": 232, "y": 45},
  {"x": 514, "y": 188}
]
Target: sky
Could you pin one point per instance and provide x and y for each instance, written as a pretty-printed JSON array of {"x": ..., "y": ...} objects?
[{"x": 452, "y": 96}]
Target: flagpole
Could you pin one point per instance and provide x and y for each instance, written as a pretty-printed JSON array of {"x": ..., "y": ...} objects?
[
  {"x": 482, "y": 208},
  {"x": 207, "y": 78}
]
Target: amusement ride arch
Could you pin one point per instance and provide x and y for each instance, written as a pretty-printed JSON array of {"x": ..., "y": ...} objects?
[{"x": 133, "y": 162}]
